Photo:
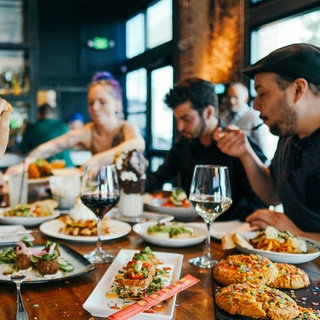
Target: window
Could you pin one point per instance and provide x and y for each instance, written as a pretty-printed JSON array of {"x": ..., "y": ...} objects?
[
  {"x": 271, "y": 36},
  {"x": 136, "y": 87},
  {"x": 274, "y": 35},
  {"x": 161, "y": 115},
  {"x": 135, "y": 36},
  {"x": 149, "y": 29},
  {"x": 150, "y": 75},
  {"x": 159, "y": 23},
  {"x": 11, "y": 21}
]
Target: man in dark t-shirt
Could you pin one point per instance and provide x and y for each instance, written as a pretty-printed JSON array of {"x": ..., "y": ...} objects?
[{"x": 195, "y": 107}]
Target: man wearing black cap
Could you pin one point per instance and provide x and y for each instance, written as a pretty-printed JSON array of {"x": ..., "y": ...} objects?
[{"x": 287, "y": 82}]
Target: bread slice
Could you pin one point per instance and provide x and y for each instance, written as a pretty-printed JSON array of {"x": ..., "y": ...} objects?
[
  {"x": 227, "y": 242},
  {"x": 241, "y": 241}
]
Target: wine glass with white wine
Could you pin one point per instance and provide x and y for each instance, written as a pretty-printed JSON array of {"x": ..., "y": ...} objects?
[{"x": 210, "y": 194}]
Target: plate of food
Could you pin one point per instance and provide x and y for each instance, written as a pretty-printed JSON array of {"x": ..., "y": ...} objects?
[
  {"x": 278, "y": 246},
  {"x": 171, "y": 234},
  {"x": 85, "y": 230},
  {"x": 49, "y": 262},
  {"x": 40, "y": 170},
  {"x": 31, "y": 214},
  {"x": 175, "y": 203},
  {"x": 117, "y": 289}
]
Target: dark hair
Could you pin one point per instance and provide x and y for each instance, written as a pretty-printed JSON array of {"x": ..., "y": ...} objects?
[
  {"x": 283, "y": 82},
  {"x": 46, "y": 109},
  {"x": 200, "y": 93}
]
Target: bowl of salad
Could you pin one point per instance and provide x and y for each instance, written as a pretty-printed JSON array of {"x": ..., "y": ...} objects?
[{"x": 175, "y": 203}]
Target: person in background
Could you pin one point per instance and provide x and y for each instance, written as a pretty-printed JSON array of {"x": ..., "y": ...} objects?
[
  {"x": 76, "y": 120},
  {"x": 46, "y": 128},
  {"x": 195, "y": 108},
  {"x": 104, "y": 136},
  {"x": 237, "y": 112},
  {"x": 105, "y": 75},
  {"x": 287, "y": 82}
]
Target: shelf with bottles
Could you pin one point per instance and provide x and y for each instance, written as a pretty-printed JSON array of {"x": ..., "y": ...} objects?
[{"x": 14, "y": 74}]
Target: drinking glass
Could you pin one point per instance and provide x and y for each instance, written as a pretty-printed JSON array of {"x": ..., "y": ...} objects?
[
  {"x": 100, "y": 193},
  {"x": 210, "y": 194}
]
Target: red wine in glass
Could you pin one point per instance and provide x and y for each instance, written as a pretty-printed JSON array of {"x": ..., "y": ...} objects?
[
  {"x": 100, "y": 193},
  {"x": 99, "y": 205}
]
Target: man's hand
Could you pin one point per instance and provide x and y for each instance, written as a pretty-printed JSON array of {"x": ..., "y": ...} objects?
[{"x": 232, "y": 141}]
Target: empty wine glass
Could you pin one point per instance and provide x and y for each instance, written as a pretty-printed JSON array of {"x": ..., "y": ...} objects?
[
  {"x": 210, "y": 194},
  {"x": 100, "y": 193}
]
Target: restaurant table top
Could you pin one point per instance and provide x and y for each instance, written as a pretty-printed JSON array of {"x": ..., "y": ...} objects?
[{"x": 64, "y": 299}]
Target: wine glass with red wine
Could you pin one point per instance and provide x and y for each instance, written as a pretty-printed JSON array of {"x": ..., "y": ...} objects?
[{"x": 100, "y": 193}]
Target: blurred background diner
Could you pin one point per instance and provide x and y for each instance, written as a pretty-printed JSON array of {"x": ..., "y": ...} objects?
[
  {"x": 105, "y": 136},
  {"x": 47, "y": 127}
]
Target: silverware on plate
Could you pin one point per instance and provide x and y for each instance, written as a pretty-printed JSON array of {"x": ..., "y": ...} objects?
[{"x": 21, "y": 311}]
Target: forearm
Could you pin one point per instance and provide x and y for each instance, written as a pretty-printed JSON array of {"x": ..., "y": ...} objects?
[
  {"x": 260, "y": 178},
  {"x": 309, "y": 235},
  {"x": 107, "y": 157},
  {"x": 49, "y": 148}
]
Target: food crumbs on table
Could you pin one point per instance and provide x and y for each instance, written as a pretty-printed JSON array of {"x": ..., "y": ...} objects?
[{"x": 35, "y": 306}]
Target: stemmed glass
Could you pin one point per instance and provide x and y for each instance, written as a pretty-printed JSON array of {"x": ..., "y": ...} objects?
[
  {"x": 210, "y": 194},
  {"x": 100, "y": 193}
]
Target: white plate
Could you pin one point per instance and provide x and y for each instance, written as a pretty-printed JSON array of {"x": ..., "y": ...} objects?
[
  {"x": 118, "y": 229},
  {"x": 38, "y": 181},
  {"x": 12, "y": 234},
  {"x": 183, "y": 214},
  {"x": 145, "y": 217},
  {"x": 220, "y": 228},
  {"x": 281, "y": 256},
  {"x": 66, "y": 172},
  {"x": 81, "y": 266},
  {"x": 99, "y": 305},
  {"x": 26, "y": 221},
  {"x": 199, "y": 235}
]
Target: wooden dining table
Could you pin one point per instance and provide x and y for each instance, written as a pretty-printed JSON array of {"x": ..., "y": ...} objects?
[{"x": 64, "y": 299}]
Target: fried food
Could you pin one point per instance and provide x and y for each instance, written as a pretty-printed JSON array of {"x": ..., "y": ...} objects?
[
  {"x": 256, "y": 301},
  {"x": 39, "y": 169},
  {"x": 241, "y": 268},
  {"x": 86, "y": 228},
  {"x": 269, "y": 239},
  {"x": 290, "y": 277},
  {"x": 274, "y": 240},
  {"x": 138, "y": 274}
]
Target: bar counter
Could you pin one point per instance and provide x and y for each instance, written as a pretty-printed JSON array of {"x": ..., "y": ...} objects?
[{"x": 64, "y": 299}]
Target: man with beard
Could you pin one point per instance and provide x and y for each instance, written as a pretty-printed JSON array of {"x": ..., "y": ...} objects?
[
  {"x": 195, "y": 107},
  {"x": 287, "y": 82}
]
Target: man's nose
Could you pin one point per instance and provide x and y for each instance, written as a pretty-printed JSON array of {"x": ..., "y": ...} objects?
[
  {"x": 180, "y": 125},
  {"x": 256, "y": 105}
]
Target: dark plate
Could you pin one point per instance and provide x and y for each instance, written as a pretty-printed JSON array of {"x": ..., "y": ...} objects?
[
  {"x": 306, "y": 297},
  {"x": 81, "y": 267}
]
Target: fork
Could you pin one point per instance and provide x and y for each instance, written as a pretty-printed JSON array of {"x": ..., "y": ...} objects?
[{"x": 21, "y": 311}]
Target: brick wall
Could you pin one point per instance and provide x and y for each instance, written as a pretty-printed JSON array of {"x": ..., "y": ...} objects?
[{"x": 211, "y": 38}]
